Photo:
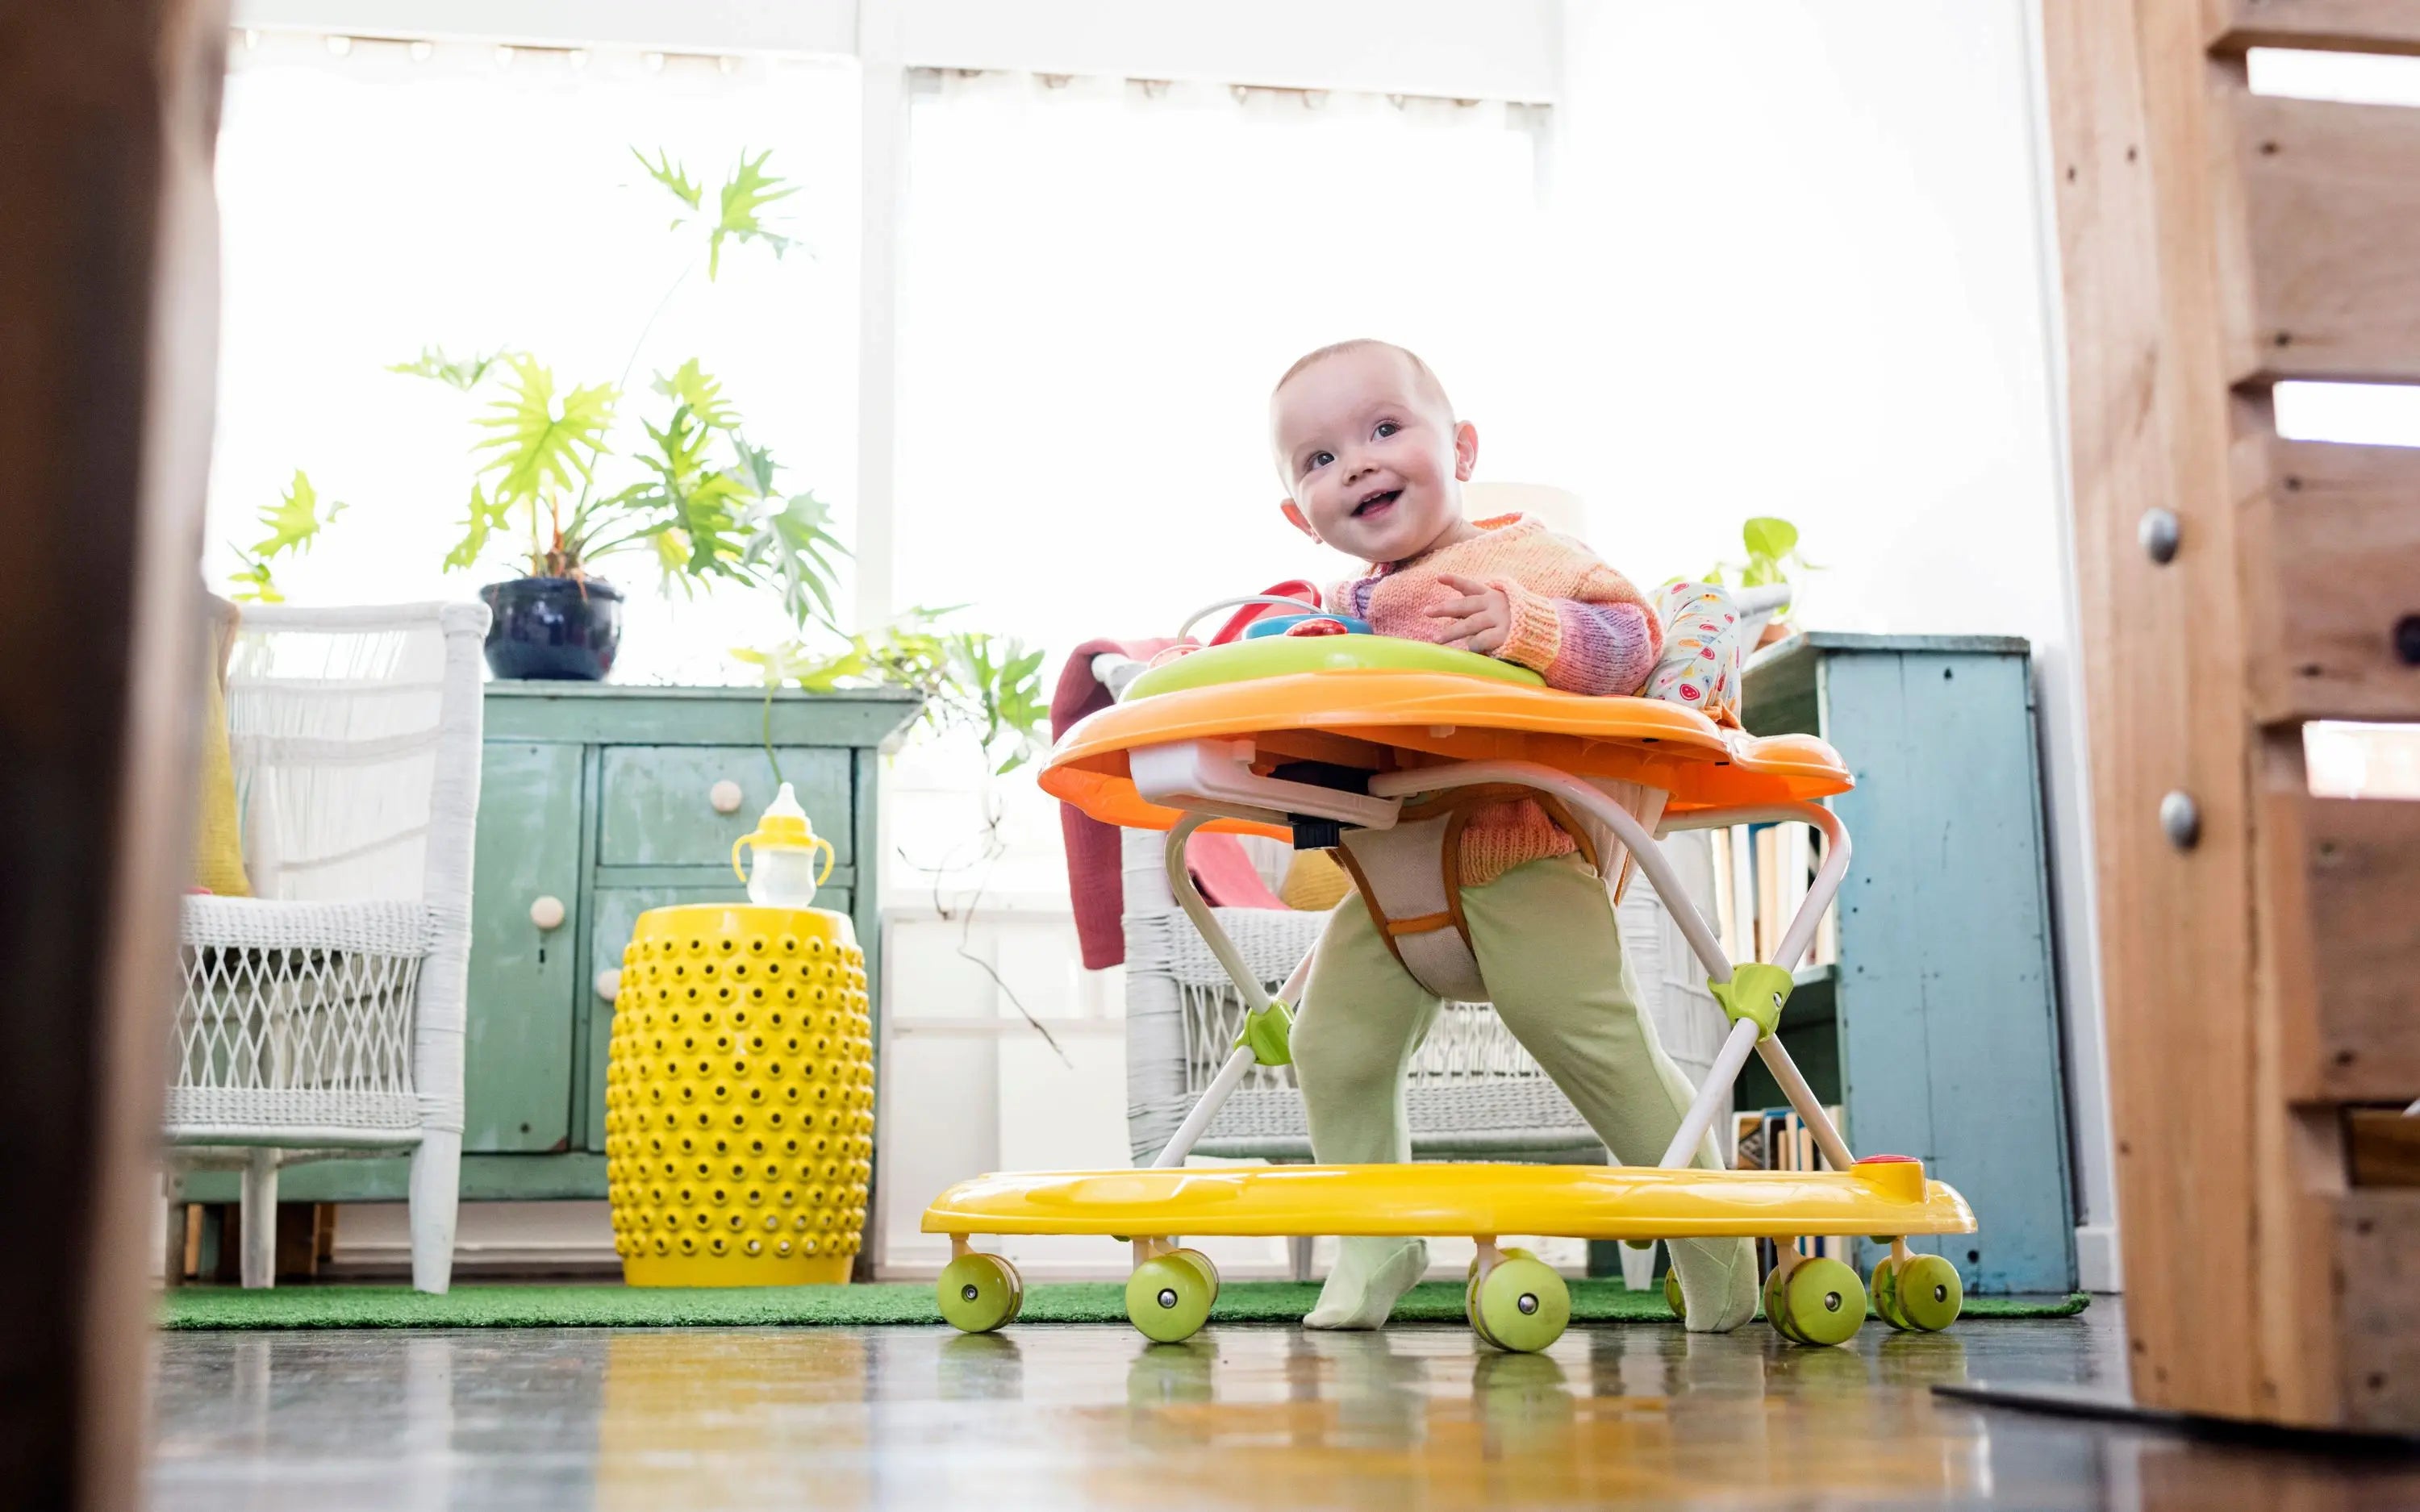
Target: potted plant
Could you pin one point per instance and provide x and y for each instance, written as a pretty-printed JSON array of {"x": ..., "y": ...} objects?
[
  {"x": 703, "y": 507},
  {"x": 698, "y": 499},
  {"x": 1772, "y": 547},
  {"x": 986, "y": 686}
]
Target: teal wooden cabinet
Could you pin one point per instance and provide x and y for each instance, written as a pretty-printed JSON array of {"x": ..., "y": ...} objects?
[
  {"x": 601, "y": 799},
  {"x": 1938, "y": 1027}
]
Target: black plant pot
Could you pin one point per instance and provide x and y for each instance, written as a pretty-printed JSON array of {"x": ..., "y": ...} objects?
[{"x": 562, "y": 628}]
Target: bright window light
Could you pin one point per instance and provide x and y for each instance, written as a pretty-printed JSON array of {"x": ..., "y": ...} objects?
[
  {"x": 405, "y": 196},
  {"x": 1103, "y": 281},
  {"x": 1103, "y": 284},
  {"x": 2368, "y": 414}
]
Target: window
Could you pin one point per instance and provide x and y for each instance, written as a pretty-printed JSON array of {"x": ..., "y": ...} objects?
[
  {"x": 1102, "y": 281},
  {"x": 1102, "y": 285},
  {"x": 378, "y": 197}
]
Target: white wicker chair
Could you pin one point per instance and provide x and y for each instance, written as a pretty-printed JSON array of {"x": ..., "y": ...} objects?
[{"x": 323, "y": 1018}]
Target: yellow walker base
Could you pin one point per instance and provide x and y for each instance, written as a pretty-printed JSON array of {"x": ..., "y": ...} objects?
[
  {"x": 1313, "y": 736},
  {"x": 1512, "y": 1301}
]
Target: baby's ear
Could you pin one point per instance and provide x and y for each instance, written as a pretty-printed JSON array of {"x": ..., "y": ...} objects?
[
  {"x": 1466, "y": 451},
  {"x": 1293, "y": 512}
]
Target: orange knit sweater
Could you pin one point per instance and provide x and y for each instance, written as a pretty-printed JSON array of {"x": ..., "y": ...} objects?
[{"x": 1575, "y": 622}]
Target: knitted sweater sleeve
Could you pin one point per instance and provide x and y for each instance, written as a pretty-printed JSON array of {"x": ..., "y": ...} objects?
[{"x": 1602, "y": 640}]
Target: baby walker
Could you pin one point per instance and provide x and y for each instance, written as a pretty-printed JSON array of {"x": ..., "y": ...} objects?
[{"x": 1306, "y": 727}]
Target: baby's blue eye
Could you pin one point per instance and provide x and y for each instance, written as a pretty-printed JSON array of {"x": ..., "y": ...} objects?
[
  {"x": 1387, "y": 427},
  {"x": 1321, "y": 459}
]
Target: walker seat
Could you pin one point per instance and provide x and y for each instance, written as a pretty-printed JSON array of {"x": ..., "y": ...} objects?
[{"x": 1336, "y": 739}]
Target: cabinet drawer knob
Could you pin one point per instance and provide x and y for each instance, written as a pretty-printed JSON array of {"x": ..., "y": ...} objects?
[
  {"x": 547, "y": 913},
  {"x": 724, "y": 796},
  {"x": 609, "y": 983}
]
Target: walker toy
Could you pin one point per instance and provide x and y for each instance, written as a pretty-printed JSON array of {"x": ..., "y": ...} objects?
[{"x": 1377, "y": 747}]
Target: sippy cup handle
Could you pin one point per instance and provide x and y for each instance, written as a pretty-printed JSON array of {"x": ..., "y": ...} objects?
[{"x": 818, "y": 843}]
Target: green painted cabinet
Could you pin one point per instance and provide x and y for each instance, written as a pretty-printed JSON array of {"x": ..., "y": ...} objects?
[
  {"x": 524, "y": 982},
  {"x": 602, "y": 799}
]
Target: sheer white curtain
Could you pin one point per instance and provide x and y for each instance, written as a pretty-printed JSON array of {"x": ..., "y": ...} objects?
[
  {"x": 1103, "y": 279},
  {"x": 380, "y": 196}
]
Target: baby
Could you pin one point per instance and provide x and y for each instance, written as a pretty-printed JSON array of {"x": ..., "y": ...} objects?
[{"x": 1374, "y": 463}]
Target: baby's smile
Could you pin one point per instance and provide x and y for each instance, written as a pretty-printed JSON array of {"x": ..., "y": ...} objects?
[{"x": 1374, "y": 505}]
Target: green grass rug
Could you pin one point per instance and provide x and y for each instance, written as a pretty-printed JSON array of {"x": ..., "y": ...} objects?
[{"x": 890, "y": 1303}]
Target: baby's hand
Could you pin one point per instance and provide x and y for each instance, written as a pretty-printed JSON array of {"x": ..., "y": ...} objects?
[{"x": 1480, "y": 620}]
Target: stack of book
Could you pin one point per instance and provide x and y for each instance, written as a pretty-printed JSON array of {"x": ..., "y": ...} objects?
[
  {"x": 1777, "y": 1139},
  {"x": 1762, "y": 876}
]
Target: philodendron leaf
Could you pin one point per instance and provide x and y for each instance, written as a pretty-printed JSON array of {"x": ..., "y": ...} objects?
[
  {"x": 536, "y": 442},
  {"x": 702, "y": 392},
  {"x": 795, "y": 544},
  {"x": 745, "y": 195},
  {"x": 294, "y": 520},
  {"x": 464, "y": 373},
  {"x": 757, "y": 464},
  {"x": 710, "y": 514},
  {"x": 292, "y": 523},
  {"x": 672, "y": 559},
  {"x": 253, "y": 583},
  {"x": 1766, "y": 537},
  {"x": 486, "y": 516},
  {"x": 672, "y": 176}
]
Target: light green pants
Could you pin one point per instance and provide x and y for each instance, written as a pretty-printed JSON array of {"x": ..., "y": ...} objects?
[{"x": 1544, "y": 938}]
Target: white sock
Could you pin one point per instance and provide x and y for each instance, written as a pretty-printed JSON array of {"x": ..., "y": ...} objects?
[
  {"x": 1371, "y": 1274},
  {"x": 1718, "y": 1281}
]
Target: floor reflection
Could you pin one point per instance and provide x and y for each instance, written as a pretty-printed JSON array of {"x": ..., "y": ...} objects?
[{"x": 1065, "y": 1417}]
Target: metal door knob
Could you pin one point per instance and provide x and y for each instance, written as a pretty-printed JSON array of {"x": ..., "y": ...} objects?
[
  {"x": 547, "y": 913},
  {"x": 724, "y": 796}
]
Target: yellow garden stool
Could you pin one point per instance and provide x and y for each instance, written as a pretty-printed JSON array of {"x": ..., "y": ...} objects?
[{"x": 739, "y": 1098}]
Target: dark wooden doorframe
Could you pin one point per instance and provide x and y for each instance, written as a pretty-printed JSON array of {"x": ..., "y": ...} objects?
[{"x": 108, "y": 344}]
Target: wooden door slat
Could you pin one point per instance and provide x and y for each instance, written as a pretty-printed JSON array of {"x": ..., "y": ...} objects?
[
  {"x": 2331, "y": 256},
  {"x": 2329, "y": 542},
  {"x": 2363, "y": 857},
  {"x": 2322, "y": 25}
]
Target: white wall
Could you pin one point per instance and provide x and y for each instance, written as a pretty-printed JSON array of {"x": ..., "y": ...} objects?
[{"x": 1803, "y": 244}]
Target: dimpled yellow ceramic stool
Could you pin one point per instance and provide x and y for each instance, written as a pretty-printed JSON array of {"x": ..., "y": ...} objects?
[{"x": 739, "y": 1092}]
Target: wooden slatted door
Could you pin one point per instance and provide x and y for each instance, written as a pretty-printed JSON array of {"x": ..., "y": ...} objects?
[{"x": 2261, "y": 944}]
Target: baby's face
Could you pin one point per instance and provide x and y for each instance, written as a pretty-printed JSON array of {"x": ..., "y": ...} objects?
[{"x": 1372, "y": 458}]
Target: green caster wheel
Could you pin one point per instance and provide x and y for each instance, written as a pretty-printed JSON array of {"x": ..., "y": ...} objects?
[
  {"x": 1822, "y": 1303},
  {"x": 1521, "y": 1306},
  {"x": 1775, "y": 1312},
  {"x": 1201, "y": 1262},
  {"x": 1471, "y": 1290},
  {"x": 1168, "y": 1297},
  {"x": 978, "y": 1293},
  {"x": 1672, "y": 1296},
  {"x": 1921, "y": 1294},
  {"x": 1882, "y": 1291}
]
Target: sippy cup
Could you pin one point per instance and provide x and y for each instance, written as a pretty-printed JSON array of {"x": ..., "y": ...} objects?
[{"x": 784, "y": 874}]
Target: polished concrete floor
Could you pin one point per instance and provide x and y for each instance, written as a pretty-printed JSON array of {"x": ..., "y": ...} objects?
[{"x": 1411, "y": 1420}]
